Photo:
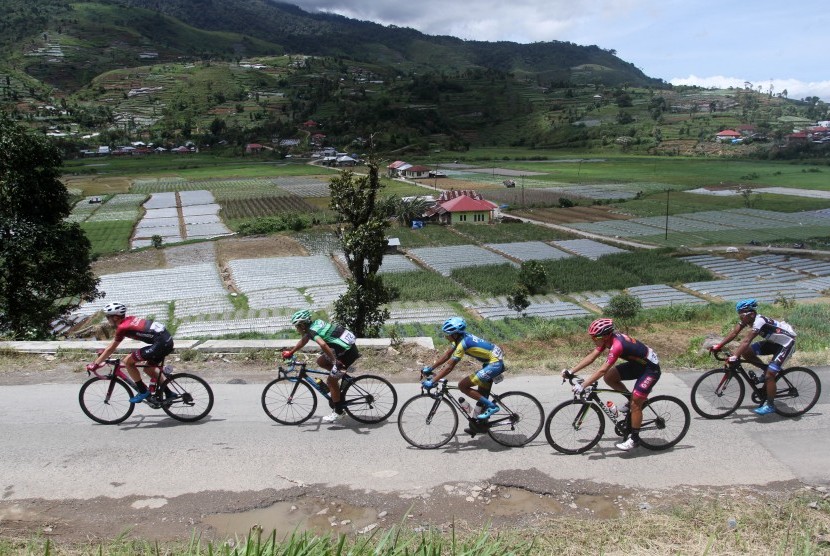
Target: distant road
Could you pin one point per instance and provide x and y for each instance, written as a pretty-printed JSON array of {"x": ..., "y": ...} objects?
[{"x": 52, "y": 451}]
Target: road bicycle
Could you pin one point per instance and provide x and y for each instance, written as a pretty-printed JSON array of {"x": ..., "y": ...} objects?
[
  {"x": 291, "y": 398},
  {"x": 105, "y": 398},
  {"x": 719, "y": 392},
  {"x": 575, "y": 426},
  {"x": 430, "y": 419}
]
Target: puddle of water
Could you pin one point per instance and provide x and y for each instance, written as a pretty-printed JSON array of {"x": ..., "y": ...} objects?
[
  {"x": 287, "y": 517},
  {"x": 521, "y": 502},
  {"x": 603, "y": 507}
]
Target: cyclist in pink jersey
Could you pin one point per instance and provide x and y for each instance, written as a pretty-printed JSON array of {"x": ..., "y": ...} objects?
[
  {"x": 144, "y": 330},
  {"x": 641, "y": 364}
]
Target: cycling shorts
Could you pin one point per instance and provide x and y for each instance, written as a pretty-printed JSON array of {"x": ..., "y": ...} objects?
[
  {"x": 484, "y": 377},
  {"x": 155, "y": 352},
  {"x": 345, "y": 357},
  {"x": 779, "y": 352},
  {"x": 645, "y": 375}
]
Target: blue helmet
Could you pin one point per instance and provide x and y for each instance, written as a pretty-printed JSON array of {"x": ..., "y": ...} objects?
[
  {"x": 454, "y": 325},
  {"x": 746, "y": 305}
]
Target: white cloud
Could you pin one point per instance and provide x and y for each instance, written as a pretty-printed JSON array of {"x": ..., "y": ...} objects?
[{"x": 795, "y": 89}]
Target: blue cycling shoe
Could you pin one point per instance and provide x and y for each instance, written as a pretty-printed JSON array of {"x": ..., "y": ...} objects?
[
  {"x": 765, "y": 409},
  {"x": 488, "y": 412},
  {"x": 140, "y": 397}
]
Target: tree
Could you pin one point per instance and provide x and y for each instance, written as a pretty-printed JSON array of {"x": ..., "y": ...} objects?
[
  {"x": 533, "y": 277},
  {"x": 44, "y": 260},
  {"x": 362, "y": 232}
]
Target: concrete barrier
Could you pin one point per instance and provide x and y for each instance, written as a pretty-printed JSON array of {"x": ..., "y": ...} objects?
[{"x": 212, "y": 346}]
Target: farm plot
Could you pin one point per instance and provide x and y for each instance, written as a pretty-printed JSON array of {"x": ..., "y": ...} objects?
[
  {"x": 123, "y": 206},
  {"x": 737, "y": 236},
  {"x": 169, "y": 284},
  {"x": 446, "y": 259},
  {"x": 540, "y": 306},
  {"x": 308, "y": 186},
  {"x": 795, "y": 264},
  {"x": 233, "y": 327},
  {"x": 420, "y": 285},
  {"x": 279, "y": 297},
  {"x": 205, "y": 305},
  {"x": 324, "y": 296},
  {"x": 294, "y": 272},
  {"x": 319, "y": 243},
  {"x": 818, "y": 284},
  {"x": 255, "y": 207},
  {"x": 766, "y": 291},
  {"x": 658, "y": 295},
  {"x": 391, "y": 264},
  {"x": 743, "y": 270},
  {"x": 528, "y": 250},
  {"x": 507, "y": 232},
  {"x": 409, "y": 313},
  {"x": 587, "y": 248}
]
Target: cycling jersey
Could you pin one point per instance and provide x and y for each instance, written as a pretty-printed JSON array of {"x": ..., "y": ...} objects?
[
  {"x": 632, "y": 350},
  {"x": 336, "y": 336},
  {"x": 477, "y": 348},
  {"x": 144, "y": 330},
  {"x": 776, "y": 331}
]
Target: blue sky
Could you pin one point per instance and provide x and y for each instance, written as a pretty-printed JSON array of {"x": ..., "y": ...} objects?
[{"x": 703, "y": 42}]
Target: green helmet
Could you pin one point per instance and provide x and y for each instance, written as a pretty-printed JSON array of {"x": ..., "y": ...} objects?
[{"x": 303, "y": 315}]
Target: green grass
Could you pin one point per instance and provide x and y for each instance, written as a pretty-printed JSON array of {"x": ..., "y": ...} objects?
[
  {"x": 513, "y": 232},
  {"x": 108, "y": 237},
  {"x": 423, "y": 285},
  {"x": 500, "y": 279},
  {"x": 682, "y": 203},
  {"x": 431, "y": 235},
  {"x": 656, "y": 267}
]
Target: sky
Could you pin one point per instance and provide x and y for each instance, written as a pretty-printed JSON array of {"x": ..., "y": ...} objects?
[{"x": 771, "y": 44}]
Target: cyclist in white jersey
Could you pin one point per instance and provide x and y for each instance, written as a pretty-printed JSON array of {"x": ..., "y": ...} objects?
[{"x": 778, "y": 341}]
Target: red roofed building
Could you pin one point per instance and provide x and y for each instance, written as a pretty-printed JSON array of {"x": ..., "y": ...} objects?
[
  {"x": 727, "y": 135},
  {"x": 456, "y": 207}
]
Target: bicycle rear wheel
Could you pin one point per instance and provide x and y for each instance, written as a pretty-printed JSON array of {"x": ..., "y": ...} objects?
[
  {"x": 574, "y": 426},
  {"x": 427, "y": 422},
  {"x": 289, "y": 401},
  {"x": 106, "y": 400},
  {"x": 522, "y": 423},
  {"x": 192, "y": 397},
  {"x": 797, "y": 391},
  {"x": 665, "y": 422},
  {"x": 369, "y": 399},
  {"x": 717, "y": 393}
]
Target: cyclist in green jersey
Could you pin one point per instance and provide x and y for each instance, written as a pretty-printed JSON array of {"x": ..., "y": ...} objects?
[{"x": 338, "y": 352}]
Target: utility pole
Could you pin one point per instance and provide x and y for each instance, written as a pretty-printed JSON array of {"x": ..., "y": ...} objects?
[{"x": 667, "y": 213}]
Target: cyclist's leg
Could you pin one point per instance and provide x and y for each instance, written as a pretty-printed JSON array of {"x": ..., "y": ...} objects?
[
  {"x": 483, "y": 379},
  {"x": 344, "y": 361},
  {"x": 649, "y": 375},
  {"x": 780, "y": 353}
]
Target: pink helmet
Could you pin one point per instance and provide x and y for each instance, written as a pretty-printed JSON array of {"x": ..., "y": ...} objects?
[{"x": 601, "y": 327}]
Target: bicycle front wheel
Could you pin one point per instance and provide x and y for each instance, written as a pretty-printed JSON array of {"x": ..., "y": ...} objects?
[
  {"x": 574, "y": 426},
  {"x": 191, "y": 398},
  {"x": 106, "y": 400},
  {"x": 521, "y": 424},
  {"x": 665, "y": 422},
  {"x": 369, "y": 399},
  {"x": 797, "y": 391},
  {"x": 717, "y": 393},
  {"x": 289, "y": 401},
  {"x": 427, "y": 422}
]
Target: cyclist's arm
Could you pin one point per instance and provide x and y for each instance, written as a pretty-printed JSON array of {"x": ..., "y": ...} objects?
[
  {"x": 326, "y": 349},
  {"x": 303, "y": 341},
  {"x": 446, "y": 369},
  {"x": 443, "y": 359},
  {"x": 598, "y": 374},
  {"x": 108, "y": 351},
  {"x": 587, "y": 360},
  {"x": 743, "y": 347},
  {"x": 729, "y": 337}
]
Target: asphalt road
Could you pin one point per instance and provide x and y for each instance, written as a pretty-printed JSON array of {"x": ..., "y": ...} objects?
[{"x": 51, "y": 450}]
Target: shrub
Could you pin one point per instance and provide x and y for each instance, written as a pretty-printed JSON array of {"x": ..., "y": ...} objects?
[{"x": 624, "y": 306}]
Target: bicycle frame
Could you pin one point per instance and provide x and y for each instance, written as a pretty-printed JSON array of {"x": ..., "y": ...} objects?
[
  {"x": 304, "y": 373},
  {"x": 758, "y": 388},
  {"x": 118, "y": 371},
  {"x": 443, "y": 392},
  {"x": 594, "y": 398}
]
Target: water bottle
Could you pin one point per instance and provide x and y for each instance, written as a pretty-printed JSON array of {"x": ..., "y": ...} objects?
[
  {"x": 465, "y": 405},
  {"x": 167, "y": 370},
  {"x": 612, "y": 407},
  {"x": 152, "y": 386},
  {"x": 322, "y": 386}
]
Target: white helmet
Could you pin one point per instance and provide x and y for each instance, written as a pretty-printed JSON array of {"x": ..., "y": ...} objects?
[{"x": 113, "y": 309}]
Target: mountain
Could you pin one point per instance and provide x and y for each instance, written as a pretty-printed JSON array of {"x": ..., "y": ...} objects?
[{"x": 109, "y": 34}]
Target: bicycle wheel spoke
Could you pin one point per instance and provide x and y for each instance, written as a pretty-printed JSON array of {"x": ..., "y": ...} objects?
[
  {"x": 717, "y": 394},
  {"x": 427, "y": 422},
  {"x": 288, "y": 401},
  {"x": 665, "y": 422},
  {"x": 186, "y": 397},
  {"x": 574, "y": 427},
  {"x": 520, "y": 420},
  {"x": 370, "y": 399},
  {"x": 797, "y": 391},
  {"x": 106, "y": 401}
]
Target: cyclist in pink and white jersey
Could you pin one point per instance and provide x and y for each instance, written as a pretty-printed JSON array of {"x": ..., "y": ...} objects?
[
  {"x": 641, "y": 364},
  {"x": 143, "y": 330}
]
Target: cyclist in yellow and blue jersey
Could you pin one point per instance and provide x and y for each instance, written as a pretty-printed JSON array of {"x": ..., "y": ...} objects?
[{"x": 463, "y": 343}]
